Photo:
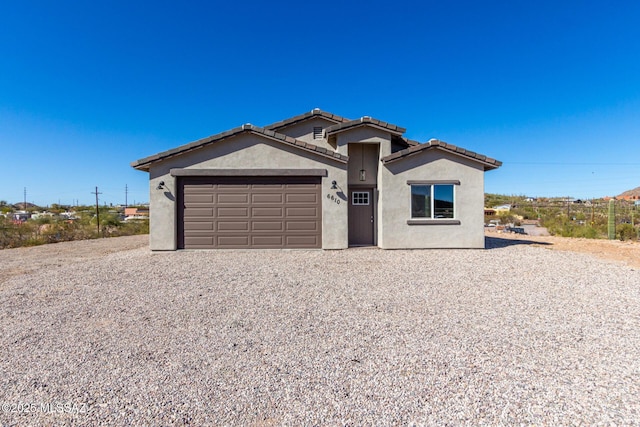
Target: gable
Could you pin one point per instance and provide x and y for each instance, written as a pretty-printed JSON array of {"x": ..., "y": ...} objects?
[
  {"x": 304, "y": 131},
  {"x": 245, "y": 151},
  {"x": 271, "y": 136},
  {"x": 417, "y": 153},
  {"x": 315, "y": 113},
  {"x": 438, "y": 163}
]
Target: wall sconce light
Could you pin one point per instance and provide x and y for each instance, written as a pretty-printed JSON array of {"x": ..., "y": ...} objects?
[
  {"x": 334, "y": 185},
  {"x": 363, "y": 175},
  {"x": 160, "y": 185}
]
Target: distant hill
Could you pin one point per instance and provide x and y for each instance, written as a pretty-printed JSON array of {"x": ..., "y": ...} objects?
[
  {"x": 29, "y": 206},
  {"x": 630, "y": 194}
]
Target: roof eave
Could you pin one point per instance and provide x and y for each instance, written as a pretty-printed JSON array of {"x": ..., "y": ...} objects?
[
  {"x": 315, "y": 113},
  {"x": 145, "y": 163},
  {"x": 487, "y": 162}
]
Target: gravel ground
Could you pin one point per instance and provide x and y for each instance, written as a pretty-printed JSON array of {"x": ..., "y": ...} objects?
[{"x": 515, "y": 334}]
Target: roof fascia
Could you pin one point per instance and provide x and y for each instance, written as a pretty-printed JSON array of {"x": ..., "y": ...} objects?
[
  {"x": 316, "y": 113},
  {"x": 488, "y": 162},
  {"x": 145, "y": 163},
  {"x": 366, "y": 121}
]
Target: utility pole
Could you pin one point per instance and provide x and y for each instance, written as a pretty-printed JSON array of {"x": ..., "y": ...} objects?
[
  {"x": 24, "y": 206},
  {"x": 126, "y": 193},
  {"x": 97, "y": 209}
]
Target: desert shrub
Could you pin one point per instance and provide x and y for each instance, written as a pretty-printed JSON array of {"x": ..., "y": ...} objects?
[
  {"x": 53, "y": 230},
  {"x": 588, "y": 232},
  {"x": 626, "y": 232}
]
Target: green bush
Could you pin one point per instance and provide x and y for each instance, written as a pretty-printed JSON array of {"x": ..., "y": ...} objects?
[{"x": 626, "y": 232}]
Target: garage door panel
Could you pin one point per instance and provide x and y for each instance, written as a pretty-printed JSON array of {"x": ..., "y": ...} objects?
[
  {"x": 194, "y": 225},
  {"x": 198, "y": 188},
  {"x": 268, "y": 198},
  {"x": 267, "y": 212},
  {"x": 309, "y": 186},
  {"x": 233, "y": 226},
  {"x": 233, "y": 212},
  {"x": 302, "y": 226},
  {"x": 261, "y": 187},
  {"x": 199, "y": 240},
  {"x": 267, "y": 241},
  {"x": 238, "y": 241},
  {"x": 302, "y": 212},
  {"x": 302, "y": 241},
  {"x": 198, "y": 212},
  {"x": 303, "y": 198},
  {"x": 238, "y": 186},
  {"x": 249, "y": 212},
  {"x": 267, "y": 226},
  {"x": 232, "y": 198},
  {"x": 198, "y": 198}
]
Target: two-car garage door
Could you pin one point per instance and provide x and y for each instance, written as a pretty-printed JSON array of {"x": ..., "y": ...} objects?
[{"x": 249, "y": 212}]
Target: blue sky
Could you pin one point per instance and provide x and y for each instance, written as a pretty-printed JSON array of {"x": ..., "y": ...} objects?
[{"x": 550, "y": 88}]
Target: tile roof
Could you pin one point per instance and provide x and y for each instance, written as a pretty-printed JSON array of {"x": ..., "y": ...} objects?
[
  {"x": 410, "y": 141},
  {"x": 316, "y": 112},
  {"x": 488, "y": 162},
  {"x": 143, "y": 164},
  {"x": 364, "y": 121}
]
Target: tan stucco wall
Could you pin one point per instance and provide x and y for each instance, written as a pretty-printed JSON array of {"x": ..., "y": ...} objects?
[
  {"x": 246, "y": 151},
  {"x": 394, "y": 204},
  {"x": 304, "y": 131}
]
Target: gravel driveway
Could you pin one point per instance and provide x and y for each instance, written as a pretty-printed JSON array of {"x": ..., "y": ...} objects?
[{"x": 514, "y": 334}]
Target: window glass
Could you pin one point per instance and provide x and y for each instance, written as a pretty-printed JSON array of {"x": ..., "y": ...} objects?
[
  {"x": 420, "y": 201},
  {"x": 360, "y": 198},
  {"x": 443, "y": 201}
]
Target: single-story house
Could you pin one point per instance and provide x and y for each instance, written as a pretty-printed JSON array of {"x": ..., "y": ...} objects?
[
  {"x": 502, "y": 209},
  {"x": 316, "y": 180},
  {"x": 136, "y": 212}
]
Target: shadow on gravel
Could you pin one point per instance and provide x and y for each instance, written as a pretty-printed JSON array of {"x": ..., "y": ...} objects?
[{"x": 497, "y": 243}]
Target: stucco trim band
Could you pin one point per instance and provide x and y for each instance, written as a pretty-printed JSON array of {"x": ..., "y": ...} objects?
[
  {"x": 433, "y": 182},
  {"x": 433, "y": 222},
  {"x": 247, "y": 172}
]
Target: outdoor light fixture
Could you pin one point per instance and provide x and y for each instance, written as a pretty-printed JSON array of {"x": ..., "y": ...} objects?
[
  {"x": 334, "y": 185},
  {"x": 160, "y": 185},
  {"x": 363, "y": 175}
]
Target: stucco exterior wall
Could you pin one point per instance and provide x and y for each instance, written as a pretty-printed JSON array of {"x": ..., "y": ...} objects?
[
  {"x": 246, "y": 151},
  {"x": 394, "y": 203},
  {"x": 365, "y": 134},
  {"x": 304, "y": 131},
  {"x": 363, "y": 156}
]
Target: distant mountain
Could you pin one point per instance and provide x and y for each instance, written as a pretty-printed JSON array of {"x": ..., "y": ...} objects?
[{"x": 630, "y": 194}]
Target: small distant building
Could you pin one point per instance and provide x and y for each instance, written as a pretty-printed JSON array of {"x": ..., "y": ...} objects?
[
  {"x": 136, "y": 212},
  {"x": 20, "y": 216},
  {"x": 69, "y": 216},
  {"x": 39, "y": 215},
  {"x": 502, "y": 209}
]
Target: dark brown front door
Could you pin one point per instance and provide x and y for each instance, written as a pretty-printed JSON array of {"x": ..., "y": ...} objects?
[
  {"x": 249, "y": 212},
  {"x": 361, "y": 219}
]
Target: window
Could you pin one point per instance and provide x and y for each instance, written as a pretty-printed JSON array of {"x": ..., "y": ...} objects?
[
  {"x": 432, "y": 201},
  {"x": 360, "y": 198},
  {"x": 317, "y": 132}
]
